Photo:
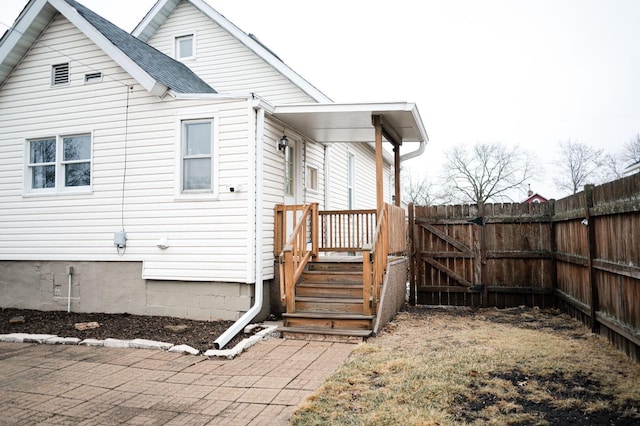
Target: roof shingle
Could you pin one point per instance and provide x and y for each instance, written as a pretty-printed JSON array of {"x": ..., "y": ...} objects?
[{"x": 173, "y": 74}]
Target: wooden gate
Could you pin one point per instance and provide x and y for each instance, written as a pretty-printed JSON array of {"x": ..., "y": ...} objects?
[
  {"x": 491, "y": 255},
  {"x": 446, "y": 261}
]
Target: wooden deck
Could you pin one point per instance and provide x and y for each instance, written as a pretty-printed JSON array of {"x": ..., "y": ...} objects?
[{"x": 332, "y": 267}]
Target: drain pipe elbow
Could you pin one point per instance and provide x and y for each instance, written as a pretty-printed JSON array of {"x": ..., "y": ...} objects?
[
  {"x": 246, "y": 318},
  {"x": 413, "y": 154}
]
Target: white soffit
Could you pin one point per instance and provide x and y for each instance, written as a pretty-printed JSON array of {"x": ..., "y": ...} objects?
[{"x": 353, "y": 122}]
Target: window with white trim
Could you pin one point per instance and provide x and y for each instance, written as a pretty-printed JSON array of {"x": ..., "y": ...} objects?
[
  {"x": 351, "y": 180},
  {"x": 185, "y": 47},
  {"x": 197, "y": 156},
  {"x": 312, "y": 178},
  {"x": 59, "y": 163},
  {"x": 289, "y": 171}
]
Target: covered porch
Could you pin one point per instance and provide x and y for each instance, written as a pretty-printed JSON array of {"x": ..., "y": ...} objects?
[{"x": 334, "y": 265}]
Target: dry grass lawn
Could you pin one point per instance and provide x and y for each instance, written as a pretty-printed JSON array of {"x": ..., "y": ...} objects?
[{"x": 438, "y": 366}]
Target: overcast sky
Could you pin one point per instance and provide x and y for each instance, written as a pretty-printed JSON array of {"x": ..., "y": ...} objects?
[{"x": 531, "y": 73}]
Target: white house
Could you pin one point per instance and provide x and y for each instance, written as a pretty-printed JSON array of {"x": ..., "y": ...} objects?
[{"x": 141, "y": 170}]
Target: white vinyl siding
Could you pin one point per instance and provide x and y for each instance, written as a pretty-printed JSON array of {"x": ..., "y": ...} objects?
[
  {"x": 222, "y": 61},
  {"x": 208, "y": 239},
  {"x": 365, "y": 176}
]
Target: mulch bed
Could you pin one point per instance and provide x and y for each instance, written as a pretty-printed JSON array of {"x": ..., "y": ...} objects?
[{"x": 197, "y": 334}]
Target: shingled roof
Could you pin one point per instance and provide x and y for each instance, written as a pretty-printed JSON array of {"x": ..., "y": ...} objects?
[{"x": 173, "y": 74}]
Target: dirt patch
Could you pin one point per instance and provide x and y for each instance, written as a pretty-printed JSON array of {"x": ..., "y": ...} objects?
[
  {"x": 451, "y": 366},
  {"x": 197, "y": 334}
]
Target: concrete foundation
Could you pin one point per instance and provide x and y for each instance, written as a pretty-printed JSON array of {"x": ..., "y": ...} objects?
[{"x": 118, "y": 287}]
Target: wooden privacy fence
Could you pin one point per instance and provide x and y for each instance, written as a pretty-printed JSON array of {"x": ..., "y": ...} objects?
[{"x": 581, "y": 252}]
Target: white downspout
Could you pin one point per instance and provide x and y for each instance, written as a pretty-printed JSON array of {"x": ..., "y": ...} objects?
[
  {"x": 413, "y": 154},
  {"x": 230, "y": 333}
]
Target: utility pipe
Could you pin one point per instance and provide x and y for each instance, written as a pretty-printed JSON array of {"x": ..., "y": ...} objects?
[
  {"x": 235, "y": 328},
  {"x": 69, "y": 273}
]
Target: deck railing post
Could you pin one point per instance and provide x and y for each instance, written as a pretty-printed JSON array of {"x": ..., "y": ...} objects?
[
  {"x": 366, "y": 279},
  {"x": 289, "y": 268}
]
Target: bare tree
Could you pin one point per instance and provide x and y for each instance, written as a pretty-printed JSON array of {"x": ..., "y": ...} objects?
[
  {"x": 419, "y": 191},
  {"x": 612, "y": 168},
  {"x": 631, "y": 151},
  {"x": 578, "y": 164},
  {"x": 487, "y": 172}
]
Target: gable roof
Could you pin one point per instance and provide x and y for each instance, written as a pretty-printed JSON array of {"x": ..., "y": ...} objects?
[
  {"x": 155, "y": 71},
  {"x": 163, "y": 8}
]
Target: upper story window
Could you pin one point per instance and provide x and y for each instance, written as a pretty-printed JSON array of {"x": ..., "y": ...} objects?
[
  {"x": 185, "y": 47},
  {"x": 197, "y": 156},
  {"x": 59, "y": 163},
  {"x": 60, "y": 74}
]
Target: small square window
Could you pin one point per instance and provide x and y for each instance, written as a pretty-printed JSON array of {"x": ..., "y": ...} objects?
[
  {"x": 312, "y": 178},
  {"x": 60, "y": 74},
  {"x": 185, "y": 47}
]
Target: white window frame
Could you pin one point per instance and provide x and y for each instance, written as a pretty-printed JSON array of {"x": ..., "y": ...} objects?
[
  {"x": 351, "y": 180},
  {"x": 290, "y": 164},
  {"x": 312, "y": 183},
  {"x": 60, "y": 167},
  {"x": 176, "y": 50},
  {"x": 199, "y": 194}
]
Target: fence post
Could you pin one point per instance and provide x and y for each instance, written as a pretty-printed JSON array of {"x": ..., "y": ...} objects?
[
  {"x": 591, "y": 242},
  {"x": 483, "y": 254},
  {"x": 412, "y": 260},
  {"x": 553, "y": 248}
]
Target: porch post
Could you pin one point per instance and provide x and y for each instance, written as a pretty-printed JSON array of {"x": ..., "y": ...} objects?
[
  {"x": 396, "y": 170},
  {"x": 377, "y": 124}
]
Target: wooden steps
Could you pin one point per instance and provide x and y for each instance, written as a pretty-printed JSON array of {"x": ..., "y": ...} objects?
[{"x": 328, "y": 302}]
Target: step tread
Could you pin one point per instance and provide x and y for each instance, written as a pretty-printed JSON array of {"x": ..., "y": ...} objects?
[
  {"x": 328, "y": 315},
  {"x": 329, "y": 284},
  {"x": 328, "y": 299},
  {"x": 331, "y": 331}
]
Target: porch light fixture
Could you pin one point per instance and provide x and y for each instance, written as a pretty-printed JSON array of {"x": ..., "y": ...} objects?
[{"x": 283, "y": 143}]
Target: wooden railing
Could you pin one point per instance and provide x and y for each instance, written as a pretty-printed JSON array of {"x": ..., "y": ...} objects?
[
  {"x": 300, "y": 247},
  {"x": 375, "y": 234},
  {"x": 390, "y": 237},
  {"x": 346, "y": 230}
]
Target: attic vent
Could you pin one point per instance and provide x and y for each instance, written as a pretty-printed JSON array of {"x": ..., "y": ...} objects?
[
  {"x": 60, "y": 74},
  {"x": 93, "y": 77}
]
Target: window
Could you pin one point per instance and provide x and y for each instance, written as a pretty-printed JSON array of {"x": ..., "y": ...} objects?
[
  {"x": 351, "y": 180},
  {"x": 62, "y": 162},
  {"x": 185, "y": 47},
  {"x": 197, "y": 156},
  {"x": 312, "y": 178},
  {"x": 60, "y": 74},
  {"x": 289, "y": 171}
]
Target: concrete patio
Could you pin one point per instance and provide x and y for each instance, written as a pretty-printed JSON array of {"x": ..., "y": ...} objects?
[{"x": 82, "y": 385}]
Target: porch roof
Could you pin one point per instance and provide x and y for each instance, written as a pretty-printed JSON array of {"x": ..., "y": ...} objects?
[{"x": 352, "y": 122}]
